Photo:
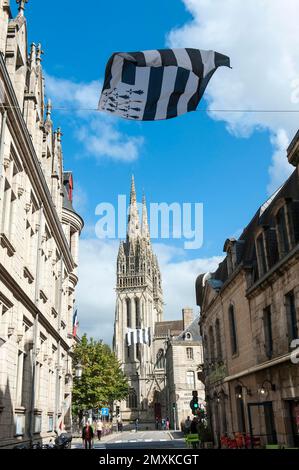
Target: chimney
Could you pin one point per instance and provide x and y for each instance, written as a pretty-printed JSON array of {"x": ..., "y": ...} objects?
[{"x": 187, "y": 317}]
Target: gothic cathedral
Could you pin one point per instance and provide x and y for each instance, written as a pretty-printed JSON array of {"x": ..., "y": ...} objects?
[{"x": 139, "y": 307}]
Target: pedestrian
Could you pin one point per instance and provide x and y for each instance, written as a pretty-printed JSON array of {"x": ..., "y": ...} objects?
[
  {"x": 157, "y": 423},
  {"x": 187, "y": 426},
  {"x": 163, "y": 424},
  {"x": 99, "y": 429},
  {"x": 167, "y": 424},
  {"x": 136, "y": 424},
  {"x": 87, "y": 436},
  {"x": 119, "y": 424}
]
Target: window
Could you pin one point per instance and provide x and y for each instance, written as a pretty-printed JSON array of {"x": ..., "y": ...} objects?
[
  {"x": 240, "y": 409},
  {"x": 267, "y": 318},
  {"x": 261, "y": 255},
  {"x": 291, "y": 316},
  {"x": 20, "y": 425},
  {"x": 211, "y": 344},
  {"x": 190, "y": 353},
  {"x": 233, "y": 331},
  {"x": 191, "y": 379},
  {"x": 128, "y": 305},
  {"x": 218, "y": 340},
  {"x": 188, "y": 337},
  {"x": 37, "y": 424},
  {"x": 160, "y": 359},
  {"x": 50, "y": 424},
  {"x": 138, "y": 316},
  {"x": 284, "y": 246},
  {"x": 132, "y": 399}
]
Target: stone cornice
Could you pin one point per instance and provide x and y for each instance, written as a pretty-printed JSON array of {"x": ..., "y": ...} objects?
[{"x": 23, "y": 142}]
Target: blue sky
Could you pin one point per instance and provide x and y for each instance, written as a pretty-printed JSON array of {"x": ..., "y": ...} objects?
[{"x": 230, "y": 162}]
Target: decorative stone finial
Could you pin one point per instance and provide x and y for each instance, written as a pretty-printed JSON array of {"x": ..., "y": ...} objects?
[
  {"x": 22, "y": 4},
  {"x": 49, "y": 110},
  {"x": 39, "y": 53}
]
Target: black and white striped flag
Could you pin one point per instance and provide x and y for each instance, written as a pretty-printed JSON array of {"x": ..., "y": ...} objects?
[{"x": 157, "y": 84}]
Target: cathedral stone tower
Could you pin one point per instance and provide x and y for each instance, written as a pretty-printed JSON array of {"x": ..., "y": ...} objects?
[{"x": 139, "y": 307}]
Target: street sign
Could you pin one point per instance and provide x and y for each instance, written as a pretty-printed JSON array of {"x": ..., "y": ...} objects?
[{"x": 105, "y": 411}]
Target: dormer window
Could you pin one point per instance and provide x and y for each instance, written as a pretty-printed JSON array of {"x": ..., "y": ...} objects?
[
  {"x": 282, "y": 232},
  {"x": 230, "y": 247},
  {"x": 261, "y": 254}
]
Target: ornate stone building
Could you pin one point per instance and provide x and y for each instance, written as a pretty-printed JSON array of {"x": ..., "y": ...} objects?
[
  {"x": 184, "y": 356},
  {"x": 139, "y": 306},
  {"x": 160, "y": 358},
  {"x": 39, "y": 235},
  {"x": 249, "y": 318}
]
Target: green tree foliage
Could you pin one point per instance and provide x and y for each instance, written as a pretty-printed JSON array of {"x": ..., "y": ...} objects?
[{"x": 102, "y": 379}]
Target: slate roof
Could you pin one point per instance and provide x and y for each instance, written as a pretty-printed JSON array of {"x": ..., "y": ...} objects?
[{"x": 165, "y": 327}]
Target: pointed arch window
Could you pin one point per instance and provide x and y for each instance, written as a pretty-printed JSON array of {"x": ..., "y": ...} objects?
[
  {"x": 160, "y": 364},
  {"x": 138, "y": 315},
  {"x": 128, "y": 305},
  {"x": 132, "y": 399}
]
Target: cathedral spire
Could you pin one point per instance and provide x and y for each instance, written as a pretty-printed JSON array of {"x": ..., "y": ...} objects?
[
  {"x": 21, "y": 8},
  {"x": 133, "y": 220},
  {"x": 145, "y": 228}
]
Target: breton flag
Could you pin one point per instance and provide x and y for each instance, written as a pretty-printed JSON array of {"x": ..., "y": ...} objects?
[
  {"x": 157, "y": 84},
  {"x": 75, "y": 323}
]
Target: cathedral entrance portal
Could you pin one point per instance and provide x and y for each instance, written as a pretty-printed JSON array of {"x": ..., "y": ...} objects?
[{"x": 158, "y": 411}]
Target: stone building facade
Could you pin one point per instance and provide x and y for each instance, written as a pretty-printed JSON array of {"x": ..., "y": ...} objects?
[
  {"x": 249, "y": 318},
  {"x": 144, "y": 343},
  {"x": 139, "y": 306},
  {"x": 39, "y": 236},
  {"x": 184, "y": 356}
]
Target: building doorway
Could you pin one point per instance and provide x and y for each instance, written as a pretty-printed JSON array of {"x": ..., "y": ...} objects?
[
  {"x": 158, "y": 411},
  {"x": 261, "y": 422}
]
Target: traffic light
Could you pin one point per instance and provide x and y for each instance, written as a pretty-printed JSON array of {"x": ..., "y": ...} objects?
[
  {"x": 117, "y": 410},
  {"x": 194, "y": 402}
]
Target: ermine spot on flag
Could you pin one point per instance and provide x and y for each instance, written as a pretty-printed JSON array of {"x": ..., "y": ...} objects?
[{"x": 158, "y": 84}]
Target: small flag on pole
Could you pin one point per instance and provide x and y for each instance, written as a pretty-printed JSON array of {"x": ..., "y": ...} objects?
[
  {"x": 157, "y": 84},
  {"x": 75, "y": 323}
]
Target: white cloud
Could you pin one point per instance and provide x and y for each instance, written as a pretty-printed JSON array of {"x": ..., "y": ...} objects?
[
  {"x": 261, "y": 38},
  {"x": 97, "y": 274},
  {"x": 98, "y": 133}
]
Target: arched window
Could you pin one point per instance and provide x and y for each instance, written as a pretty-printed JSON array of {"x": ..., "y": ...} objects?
[
  {"x": 211, "y": 344},
  {"x": 128, "y": 305},
  {"x": 137, "y": 310},
  {"x": 218, "y": 340},
  {"x": 132, "y": 399},
  {"x": 160, "y": 359},
  {"x": 233, "y": 330}
]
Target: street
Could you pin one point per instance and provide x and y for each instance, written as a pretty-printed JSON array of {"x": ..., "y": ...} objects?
[{"x": 139, "y": 440}]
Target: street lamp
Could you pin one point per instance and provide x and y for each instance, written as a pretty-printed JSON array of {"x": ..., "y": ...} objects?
[
  {"x": 263, "y": 390},
  {"x": 78, "y": 371}
]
